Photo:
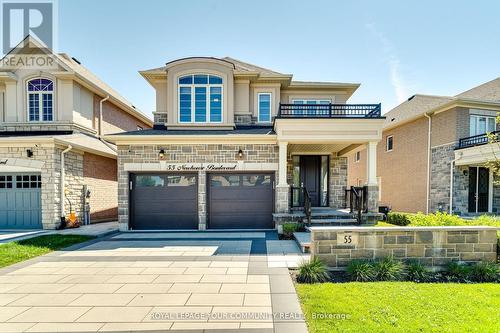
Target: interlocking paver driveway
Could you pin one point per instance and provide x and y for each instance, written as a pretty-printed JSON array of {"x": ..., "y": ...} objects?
[{"x": 230, "y": 281}]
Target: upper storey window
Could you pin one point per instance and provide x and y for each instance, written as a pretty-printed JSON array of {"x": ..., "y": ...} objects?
[
  {"x": 200, "y": 99},
  {"x": 481, "y": 124},
  {"x": 40, "y": 100}
]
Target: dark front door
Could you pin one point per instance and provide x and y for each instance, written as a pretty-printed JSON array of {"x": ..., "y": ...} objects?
[
  {"x": 240, "y": 201},
  {"x": 479, "y": 185},
  {"x": 164, "y": 201},
  {"x": 310, "y": 176}
]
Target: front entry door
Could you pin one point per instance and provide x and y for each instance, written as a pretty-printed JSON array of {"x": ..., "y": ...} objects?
[
  {"x": 310, "y": 177},
  {"x": 479, "y": 186}
]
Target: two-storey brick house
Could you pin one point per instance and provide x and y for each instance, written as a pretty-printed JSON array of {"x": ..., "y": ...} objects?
[
  {"x": 428, "y": 138},
  {"x": 235, "y": 144},
  {"x": 51, "y": 126}
]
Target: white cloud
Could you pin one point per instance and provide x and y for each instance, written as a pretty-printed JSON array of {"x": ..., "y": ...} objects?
[{"x": 398, "y": 81}]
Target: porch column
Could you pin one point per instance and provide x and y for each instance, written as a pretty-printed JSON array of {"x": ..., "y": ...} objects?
[
  {"x": 282, "y": 189},
  {"x": 371, "y": 163},
  {"x": 371, "y": 176}
]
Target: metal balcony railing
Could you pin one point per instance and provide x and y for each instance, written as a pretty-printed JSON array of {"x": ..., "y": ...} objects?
[
  {"x": 330, "y": 111},
  {"x": 476, "y": 140}
]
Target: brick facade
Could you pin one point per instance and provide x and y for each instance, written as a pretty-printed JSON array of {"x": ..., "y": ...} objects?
[
  {"x": 115, "y": 120},
  {"x": 432, "y": 246},
  {"x": 100, "y": 175}
]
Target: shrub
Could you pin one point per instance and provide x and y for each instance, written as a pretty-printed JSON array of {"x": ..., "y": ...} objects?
[
  {"x": 360, "y": 270},
  {"x": 313, "y": 271},
  {"x": 417, "y": 272},
  {"x": 458, "y": 272},
  {"x": 289, "y": 228},
  {"x": 401, "y": 219},
  {"x": 388, "y": 269},
  {"x": 437, "y": 219},
  {"x": 484, "y": 272}
]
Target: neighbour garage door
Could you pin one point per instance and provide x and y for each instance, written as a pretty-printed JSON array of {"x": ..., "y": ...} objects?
[
  {"x": 164, "y": 201},
  {"x": 20, "y": 203},
  {"x": 240, "y": 201}
]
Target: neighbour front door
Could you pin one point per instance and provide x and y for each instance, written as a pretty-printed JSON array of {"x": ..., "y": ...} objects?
[{"x": 479, "y": 186}]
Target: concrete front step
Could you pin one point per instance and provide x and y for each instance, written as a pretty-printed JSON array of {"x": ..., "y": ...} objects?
[{"x": 303, "y": 239}]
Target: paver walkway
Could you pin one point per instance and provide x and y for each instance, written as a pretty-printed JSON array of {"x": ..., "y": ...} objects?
[{"x": 200, "y": 281}]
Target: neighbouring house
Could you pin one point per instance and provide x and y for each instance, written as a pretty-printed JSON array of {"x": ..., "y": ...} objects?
[
  {"x": 427, "y": 139},
  {"x": 51, "y": 123},
  {"x": 237, "y": 146}
]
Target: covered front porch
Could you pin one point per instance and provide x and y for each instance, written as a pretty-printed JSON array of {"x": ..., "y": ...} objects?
[{"x": 312, "y": 172}]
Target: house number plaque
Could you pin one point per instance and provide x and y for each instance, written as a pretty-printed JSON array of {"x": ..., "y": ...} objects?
[{"x": 347, "y": 238}]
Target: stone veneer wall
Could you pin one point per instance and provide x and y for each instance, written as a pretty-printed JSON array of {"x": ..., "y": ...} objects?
[
  {"x": 51, "y": 173},
  {"x": 197, "y": 153},
  {"x": 160, "y": 117},
  {"x": 432, "y": 246},
  {"x": 441, "y": 158},
  {"x": 338, "y": 181}
]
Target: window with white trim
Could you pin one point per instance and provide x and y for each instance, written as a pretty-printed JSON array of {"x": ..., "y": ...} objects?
[
  {"x": 264, "y": 107},
  {"x": 311, "y": 101},
  {"x": 357, "y": 156},
  {"x": 200, "y": 98},
  {"x": 481, "y": 124},
  {"x": 40, "y": 99},
  {"x": 389, "y": 143}
]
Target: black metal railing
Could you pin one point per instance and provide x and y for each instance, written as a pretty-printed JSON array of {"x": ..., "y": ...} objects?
[
  {"x": 297, "y": 196},
  {"x": 357, "y": 196},
  {"x": 476, "y": 140},
  {"x": 307, "y": 206},
  {"x": 330, "y": 111}
]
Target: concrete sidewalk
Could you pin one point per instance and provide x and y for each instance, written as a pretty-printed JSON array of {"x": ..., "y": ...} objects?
[{"x": 152, "y": 282}]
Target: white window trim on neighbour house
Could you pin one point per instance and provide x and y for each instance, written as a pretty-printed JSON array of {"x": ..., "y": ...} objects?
[
  {"x": 387, "y": 143},
  {"x": 474, "y": 125},
  {"x": 357, "y": 156},
  {"x": 270, "y": 107},
  {"x": 40, "y": 94},
  {"x": 207, "y": 87}
]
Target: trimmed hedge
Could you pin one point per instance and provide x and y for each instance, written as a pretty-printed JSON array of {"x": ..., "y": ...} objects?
[{"x": 396, "y": 218}]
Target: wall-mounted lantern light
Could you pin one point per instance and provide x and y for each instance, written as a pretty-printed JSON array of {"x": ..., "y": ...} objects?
[
  {"x": 161, "y": 154},
  {"x": 29, "y": 153},
  {"x": 240, "y": 154}
]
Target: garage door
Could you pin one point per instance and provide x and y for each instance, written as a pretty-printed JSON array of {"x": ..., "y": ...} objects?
[
  {"x": 240, "y": 201},
  {"x": 164, "y": 201},
  {"x": 20, "y": 203}
]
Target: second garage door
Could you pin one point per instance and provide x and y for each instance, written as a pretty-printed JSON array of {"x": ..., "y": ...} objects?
[
  {"x": 164, "y": 201},
  {"x": 240, "y": 201}
]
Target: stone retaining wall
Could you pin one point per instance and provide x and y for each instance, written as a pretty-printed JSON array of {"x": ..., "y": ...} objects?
[{"x": 433, "y": 246}]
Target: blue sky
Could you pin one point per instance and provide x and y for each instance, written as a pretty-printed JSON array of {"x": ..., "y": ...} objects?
[{"x": 393, "y": 48}]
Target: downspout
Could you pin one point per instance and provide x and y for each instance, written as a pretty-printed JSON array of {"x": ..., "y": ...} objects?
[
  {"x": 99, "y": 135},
  {"x": 100, "y": 114},
  {"x": 63, "y": 176},
  {"x": 427, "y": 196},
  {"x": 452, "y": 165}
]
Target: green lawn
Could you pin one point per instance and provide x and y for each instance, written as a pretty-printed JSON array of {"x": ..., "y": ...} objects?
[
  {"x": 13, "y": 252},
  {"x": 402, "y": 307}
]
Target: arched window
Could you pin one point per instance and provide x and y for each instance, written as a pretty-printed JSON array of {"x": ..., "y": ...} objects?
[
  {"x": 200, "y": 99},
  {"x": 40, "y": 100}
]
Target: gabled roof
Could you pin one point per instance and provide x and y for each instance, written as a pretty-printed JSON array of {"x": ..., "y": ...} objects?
[
  {"x": 246, "y": 67},
  {"x": 413, "y": 108},
  {"x": 486, "y": 94},
  {"x": 489, "y": 91},
  {"x": 71, "y": 65}
]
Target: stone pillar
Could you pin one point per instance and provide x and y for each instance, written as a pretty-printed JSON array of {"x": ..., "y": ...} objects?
[
  {"x": 338, "y": 181},
  {"x": 282, "y": 189},
  {"x": 202, "y": 200},
  {"x": 372, "y": 198}
]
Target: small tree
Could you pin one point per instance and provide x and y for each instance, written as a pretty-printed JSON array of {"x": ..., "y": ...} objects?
[{"x": 494, "y": 144}]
